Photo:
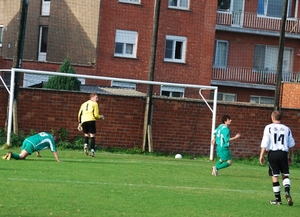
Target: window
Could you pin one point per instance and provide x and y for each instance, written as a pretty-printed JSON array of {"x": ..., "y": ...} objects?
[
  {"x": 221, "y": 54},
  {"x": 126, "y": 43},
  {"x": 228, "y": 97},
  {"x": 45, "y": 10},
  {"x": 1, "y": 33},
  {"x": 261, "y": 99},
  {"x": 130, "y": 1},
  {"x": 172, "y": 91},
  {"x": 43, "y": 41},
  {"x": 120, "y": 84},
  {"x": 266, "y": 57},
  {"x": 224, "y": 5},
  {"x": 273, "y": 8},
  {"x": 182, "y": 4},
  {"x": 175, "y": 48}
]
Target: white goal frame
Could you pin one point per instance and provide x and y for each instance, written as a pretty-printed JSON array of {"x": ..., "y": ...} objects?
[{"x": 200, "y": 87}]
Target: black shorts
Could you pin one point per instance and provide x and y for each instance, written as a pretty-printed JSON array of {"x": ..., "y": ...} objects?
[
  {"x": 89, "y": 127},
  {"x": 278, "y": 163}
]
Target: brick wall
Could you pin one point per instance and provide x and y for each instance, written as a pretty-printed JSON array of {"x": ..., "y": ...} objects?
[
  {"x": 178, "y": 126},
  {"x": 290, "y": 95}
]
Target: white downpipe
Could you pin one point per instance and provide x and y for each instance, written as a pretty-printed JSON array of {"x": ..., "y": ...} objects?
[{"x": 11, "y": 103}]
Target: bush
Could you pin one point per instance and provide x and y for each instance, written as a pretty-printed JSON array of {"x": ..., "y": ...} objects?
[
  {"x": 61, "y": 82},
  {"x": 17, "y": 140}
]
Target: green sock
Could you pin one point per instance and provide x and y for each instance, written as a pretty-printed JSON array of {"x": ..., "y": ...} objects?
[
  {"x": 218, "y": 164},
  {"x": 15, "y": 156},
  {"x": 222, "y": 165}
]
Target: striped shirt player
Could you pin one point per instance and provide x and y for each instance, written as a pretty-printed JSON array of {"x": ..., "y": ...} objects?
[
  {"x": 35, "y": 143},
  {"x": 222, "y": 139},
  {"x": 278, "y": 142}
]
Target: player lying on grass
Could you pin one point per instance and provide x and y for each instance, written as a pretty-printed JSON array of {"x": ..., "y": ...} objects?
[{"x": 35, "y": 143}]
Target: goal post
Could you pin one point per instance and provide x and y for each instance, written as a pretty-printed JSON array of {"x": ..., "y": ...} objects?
[{"x": 213, "y": 109}]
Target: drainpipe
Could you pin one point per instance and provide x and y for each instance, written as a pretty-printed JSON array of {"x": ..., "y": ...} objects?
[
  {"x": 280, "y": 58},
  {"x": 147, "y": 133}
]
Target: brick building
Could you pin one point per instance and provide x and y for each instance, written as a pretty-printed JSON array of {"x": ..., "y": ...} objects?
[
  {"x": 247, "y": 47},
  {"x": 185, "y": 41},
  {"x": 232, "y": 44},
  {"x": 55, "y": 29}
]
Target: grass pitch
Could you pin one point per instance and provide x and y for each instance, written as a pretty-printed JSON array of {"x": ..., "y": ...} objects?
[{"x": 136, "y": 185}]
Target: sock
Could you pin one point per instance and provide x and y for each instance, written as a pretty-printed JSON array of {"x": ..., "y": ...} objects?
[
  {"x": 287, "y": 184},
  {"x": 86, "y": 140},
  {"x": 276, "y": 190},
  {"x": 221, "y": 165},
  {"x": 218, "y": 164},
  {"x": 15, "y": 156},
  {"x": 92, "y": 150},
  {"x": 93, "y": 143}
]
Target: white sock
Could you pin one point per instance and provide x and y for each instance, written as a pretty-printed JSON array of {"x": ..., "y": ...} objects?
[
  {"x": 92, "y": 150},
  {"x": 85, "y": 145}
]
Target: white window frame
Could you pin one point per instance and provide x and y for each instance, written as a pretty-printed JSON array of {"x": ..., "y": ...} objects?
[
  {"x": 42, "y": 55},
  {"x": 279, "y": 16},
  {"x": 45, "y": 10},
  {"x": 179, "y": 4},
  {"x": 127, "y": 39},
  {"x": 130, "y": 1},
  {"x": 120, "y": 84},
  {"x": 170, "y": 53},
  {"x": 221, "y": 57},
  {"x": 1, "y": 35},
  {"x": 270, "y": 57},
  {"x": 258, "y": 99},
  {"x": 172, "y": 91},
  {"x": 224, "y": 96}
]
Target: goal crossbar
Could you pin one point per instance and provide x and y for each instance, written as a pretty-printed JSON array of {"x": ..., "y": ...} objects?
[{"x": 200, "y": 87}]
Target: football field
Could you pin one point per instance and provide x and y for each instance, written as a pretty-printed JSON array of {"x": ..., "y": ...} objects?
[{"x": 136, "y": 185}]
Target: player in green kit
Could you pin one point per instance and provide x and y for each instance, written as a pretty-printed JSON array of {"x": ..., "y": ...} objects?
[
  {"x": 35, "y": 143},
  {"x": 222, "y": 139}
]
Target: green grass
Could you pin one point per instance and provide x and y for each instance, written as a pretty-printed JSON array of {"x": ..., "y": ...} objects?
[{"x": 113, "y": 184}]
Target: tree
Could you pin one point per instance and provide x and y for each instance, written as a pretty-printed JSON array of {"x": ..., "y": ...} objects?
[{"x": 61, "y": 82}]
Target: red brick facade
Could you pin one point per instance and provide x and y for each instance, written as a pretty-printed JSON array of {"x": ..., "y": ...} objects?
[
  {"x": 178, "y": 126},
  {"x": 197, "y": 24}
]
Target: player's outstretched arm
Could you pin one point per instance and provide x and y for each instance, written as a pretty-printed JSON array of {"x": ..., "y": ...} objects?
[
  {"x": 235, "y": 137},
  {"x": 56, "y": 156}
]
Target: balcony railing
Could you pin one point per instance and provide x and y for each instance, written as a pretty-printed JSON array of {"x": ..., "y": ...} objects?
[
  {"x": 250, "y": 75},
  {"x": 256, "y": 21}
]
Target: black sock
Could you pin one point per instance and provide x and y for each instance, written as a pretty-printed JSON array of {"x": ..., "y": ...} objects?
[
  {"x": 86, "y": 140},
  {"x": 276, "y": 190},
  {"x": 93, "y": 143}
]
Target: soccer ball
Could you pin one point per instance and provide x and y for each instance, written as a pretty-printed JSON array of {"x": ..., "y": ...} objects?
[{"x": 178, "y": 156}]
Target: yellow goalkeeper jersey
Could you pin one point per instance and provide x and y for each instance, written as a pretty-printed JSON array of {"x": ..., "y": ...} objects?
[{"x": 89, "y": 111}]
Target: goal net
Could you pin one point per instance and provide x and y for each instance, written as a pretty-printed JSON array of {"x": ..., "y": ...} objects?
[{"x": 174, "y": 91}]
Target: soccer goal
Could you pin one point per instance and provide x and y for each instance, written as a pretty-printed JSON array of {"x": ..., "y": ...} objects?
[{"x": 174, "y": 88}]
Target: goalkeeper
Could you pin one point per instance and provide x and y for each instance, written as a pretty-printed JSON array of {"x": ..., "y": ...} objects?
[
  {"x": 87, "y": 115},
  {"x": 34, "y": 143}
]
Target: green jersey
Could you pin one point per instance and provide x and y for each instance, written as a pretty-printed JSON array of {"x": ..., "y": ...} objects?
[
  {"x": 39, "y": 142},
  {"x": 222, "y": 135}
]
